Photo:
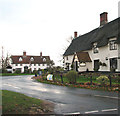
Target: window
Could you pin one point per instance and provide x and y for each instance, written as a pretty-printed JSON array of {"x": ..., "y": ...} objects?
[
  {"x": 44, "y": 59},
  {"x": 95, "y": 48},
  {"x": 20, "y": 64},
  {"x": 67, "y": 57},
  {"x": 38, "y": 64},
  {"x": 16, "y": 64},
  {"x": 20, "y": 59},
  {"x": 113, "y": 45},
  {"x": 43, "y": 64},
  {"x": 34, "y": 64},
  {"x": 32, "y": 59}
]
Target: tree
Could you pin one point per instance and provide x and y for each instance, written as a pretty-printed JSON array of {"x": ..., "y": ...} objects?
[
  {"x": 5, "y": 62},
  {"x": 50, "y": 64}
]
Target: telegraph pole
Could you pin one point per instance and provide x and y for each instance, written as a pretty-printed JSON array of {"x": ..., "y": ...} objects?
[{"x": 2, "y": 57}]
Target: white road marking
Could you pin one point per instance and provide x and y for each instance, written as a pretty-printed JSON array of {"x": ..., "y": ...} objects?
[
  {"x": 91, "y": 112},
  {"x": 107, "y": 96},
  {"x": 75, "y": 113},
  {"x": 107, "y": 110}
]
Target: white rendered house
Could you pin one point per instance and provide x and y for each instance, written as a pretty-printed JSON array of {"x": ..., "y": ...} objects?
[
  {"x": 25, "y": 62},
  {"x": 98, "y": 50}
]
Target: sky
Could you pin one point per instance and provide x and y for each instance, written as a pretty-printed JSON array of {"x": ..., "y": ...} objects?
[{"x": 45, "y": 26}]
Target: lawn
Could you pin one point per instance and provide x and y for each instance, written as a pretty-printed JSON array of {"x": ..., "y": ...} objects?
[
  {"x": 84, "y": 79},
  {"x": 16, "y": 103},
  {"x": 13, "y": 74}
]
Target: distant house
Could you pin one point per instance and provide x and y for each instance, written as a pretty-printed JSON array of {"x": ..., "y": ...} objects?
[
  {"x": 24, "y": 62},
  {"x": 98, "y": 50}
]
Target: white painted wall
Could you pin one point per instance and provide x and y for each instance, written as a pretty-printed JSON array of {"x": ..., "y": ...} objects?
[
  {"x": 70, "y": 59},
  {"x": 32, "y": 67},
  {"x": 88, "y": 66},
  {"x": 104, "y": 52}
]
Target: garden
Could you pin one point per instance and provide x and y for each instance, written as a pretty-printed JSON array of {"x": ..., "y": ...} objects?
[{"x": 89, "y": 80}]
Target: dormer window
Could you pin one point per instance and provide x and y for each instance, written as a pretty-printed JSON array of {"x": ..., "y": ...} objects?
[
  {"x": 44, "y": 59},
  {"x": 20, "y": 59},
  {"x": 95, "y": 48},
  {"x": 32, "y": 59},
  {"x": 113, "y": 45}
]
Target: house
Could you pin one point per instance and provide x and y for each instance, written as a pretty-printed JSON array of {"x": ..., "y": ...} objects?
[
  {"x": 24, "y": 62},
  {"x": 97, "y": 50}
]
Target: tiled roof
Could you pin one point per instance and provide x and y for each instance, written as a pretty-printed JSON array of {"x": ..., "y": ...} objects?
[
  {"x": 83, "y": 57},
  {"x": 100, "y": 35},
  {"x": 27, "y": 59}
]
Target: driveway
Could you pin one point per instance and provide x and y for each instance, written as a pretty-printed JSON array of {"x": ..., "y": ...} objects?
[{"x": 67, "y": 100}]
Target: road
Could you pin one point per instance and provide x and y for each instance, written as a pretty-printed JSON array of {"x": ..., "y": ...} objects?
[{"x": 67, "y": 100}]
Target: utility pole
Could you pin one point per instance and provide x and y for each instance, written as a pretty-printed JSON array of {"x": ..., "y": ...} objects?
[{"x": 2, "y": 57}]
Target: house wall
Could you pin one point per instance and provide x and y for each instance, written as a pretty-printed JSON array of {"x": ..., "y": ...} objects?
[
  {"x": 104, "y": 54},
  {"x": 36, "y": 67},
  {"x": 69, "y": 60},
  {"x": 88, "y": 66},
  {"x": 118, "y": 57}
]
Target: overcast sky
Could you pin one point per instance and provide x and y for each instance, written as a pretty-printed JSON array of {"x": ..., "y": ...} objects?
[{"x": 45, "y": 25}]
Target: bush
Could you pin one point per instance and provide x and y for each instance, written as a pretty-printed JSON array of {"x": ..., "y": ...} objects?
[
  {"x": 71, "y": 76},
  {"x": 102, "y": 80}
]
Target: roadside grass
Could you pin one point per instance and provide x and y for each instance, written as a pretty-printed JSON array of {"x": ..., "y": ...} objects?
[
  {"x": 13, "y": 74},
  {"x": 82, "y": 79},
  {"x": 16, "y": 103}
]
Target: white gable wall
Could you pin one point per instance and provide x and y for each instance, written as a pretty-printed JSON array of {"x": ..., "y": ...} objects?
[{"x": 69, "y": 60}]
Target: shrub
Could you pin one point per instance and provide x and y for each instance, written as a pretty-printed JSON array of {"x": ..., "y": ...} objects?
[
  {"x": 71, "y": 76},
  {"x": 103, "y": 80}
]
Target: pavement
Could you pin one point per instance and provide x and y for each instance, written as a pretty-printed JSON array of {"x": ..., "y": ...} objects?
[{"x": 68, "y": 101}]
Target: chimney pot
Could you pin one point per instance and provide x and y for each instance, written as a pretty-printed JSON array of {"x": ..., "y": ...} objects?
[
  {"x": 75, "y": 34},
  {"x": 24, "y": 53},
  {"x": 103, "y": 18},
  {"x": 41, "y": 54}
]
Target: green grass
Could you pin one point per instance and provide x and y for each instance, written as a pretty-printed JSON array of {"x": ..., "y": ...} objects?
[
  {"x": 82, "y": 79},
  {"x": 16, "y": 103},
  {"x": 13, "y": 74}
]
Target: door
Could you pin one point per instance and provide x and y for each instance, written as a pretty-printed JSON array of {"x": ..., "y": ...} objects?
[
  {"x": 113, "y": 64},
  {"x": 26, "y": 69},
  {"x": 96, "y": 65}
]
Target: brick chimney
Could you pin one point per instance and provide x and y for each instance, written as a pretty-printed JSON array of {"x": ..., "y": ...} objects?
[
  {"x": 24, "y": 53},
  {"x": 103, "y": 18},
  {"x": 75, "y": 34},
  {"x": 40, "y": 54}
]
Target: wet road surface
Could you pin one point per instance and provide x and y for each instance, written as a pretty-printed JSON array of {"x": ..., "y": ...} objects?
[{"x": 67, "y": 100}]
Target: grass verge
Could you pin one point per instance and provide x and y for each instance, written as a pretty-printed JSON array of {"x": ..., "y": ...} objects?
[
  {"x": 13, "y": 74},
  {"x": 16, "y": 103},
  {"x": 79, "y": 85}
]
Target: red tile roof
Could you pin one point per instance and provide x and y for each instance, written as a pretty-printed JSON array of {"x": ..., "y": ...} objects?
[{"x": 27, "y": 59}]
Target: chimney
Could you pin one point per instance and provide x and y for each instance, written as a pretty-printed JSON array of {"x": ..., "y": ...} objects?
[
  {"x": 24, "y": 53},
  {"x": 75, "y": 34},
  {"x": 40, "y": 54},
  {"x": 103, "y": 18}
]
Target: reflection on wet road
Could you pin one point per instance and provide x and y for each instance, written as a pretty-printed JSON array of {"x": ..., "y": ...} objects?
[{"x": 67, "y": 100}]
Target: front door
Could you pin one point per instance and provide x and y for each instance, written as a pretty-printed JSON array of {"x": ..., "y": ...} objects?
[
  {"x": 96, "y": 65},
  {"x": 26, "y": 69},
  {"x": 113, "y": 64}
]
